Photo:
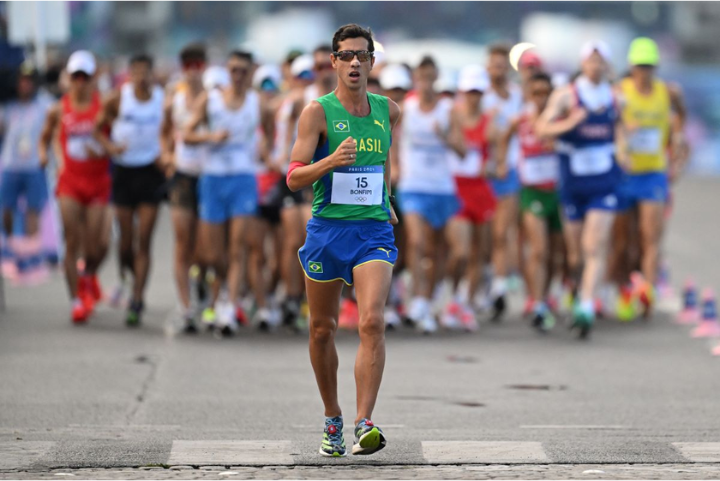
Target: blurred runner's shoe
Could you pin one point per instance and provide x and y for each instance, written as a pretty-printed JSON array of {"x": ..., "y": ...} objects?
[
  {"x": 450, "y": 318},
  {"x": 349, "y": 315},
  {"x": 369, "y": 438},
  {"x": 134, "y": 314},
  {"x": 208, "y": 318},
  {"x": 78, "y": 314},
  {"x": 583, "y": 319},
  {"x": 626, "y": 304}
]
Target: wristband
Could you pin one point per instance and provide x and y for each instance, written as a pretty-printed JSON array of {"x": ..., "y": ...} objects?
[{"x": 291, "y": 167}]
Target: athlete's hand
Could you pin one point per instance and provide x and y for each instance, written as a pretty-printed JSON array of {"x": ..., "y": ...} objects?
[
  {"x": 345, "y": 154},
  {"x": 115, "y": 150},
  {"x": 91, "y": 153},
  {"x": 42, "y": 153},
  {"x": 166, "y": 164},
  {"x": 219, "y": 137},
  {"x": 393, "y": 216},
  {"x": 440, "y": 132}
]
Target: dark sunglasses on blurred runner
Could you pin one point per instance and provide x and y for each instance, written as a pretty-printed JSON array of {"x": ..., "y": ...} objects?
[
  {"x": 193, "y": 64},
  {"x": 79, "y": 76},
  {"x": 348, "y": 55}
]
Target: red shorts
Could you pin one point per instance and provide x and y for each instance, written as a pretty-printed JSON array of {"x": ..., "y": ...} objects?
[
  {"x": 477, "y": 199},
  {"x": 86, "y": 189}
]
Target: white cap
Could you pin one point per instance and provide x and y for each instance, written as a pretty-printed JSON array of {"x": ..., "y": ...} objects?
[
  {"x": 395, "y": 76},
  {"x": 596, "y": 46},
  {"x": 473, "y": 77},
  {"x": 215, "y": 76},
  {"x": 81, "y": 61},
  {"x": 267, "y": 72},
  {"x": 304, "y": 63}
]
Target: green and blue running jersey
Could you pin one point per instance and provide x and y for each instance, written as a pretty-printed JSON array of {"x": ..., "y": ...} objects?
[{"x": 356, "y": 192}]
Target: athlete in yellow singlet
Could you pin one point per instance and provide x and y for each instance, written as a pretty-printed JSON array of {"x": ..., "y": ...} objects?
[{"x": 653, "y": 154}]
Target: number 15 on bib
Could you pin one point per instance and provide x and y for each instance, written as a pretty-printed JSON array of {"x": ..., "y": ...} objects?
[{"x": 358, "y": 185}]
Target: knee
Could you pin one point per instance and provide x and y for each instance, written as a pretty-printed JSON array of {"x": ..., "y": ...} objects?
[
  {"x": 322, "y": 330},
  {"x": 372, "y": 325}
]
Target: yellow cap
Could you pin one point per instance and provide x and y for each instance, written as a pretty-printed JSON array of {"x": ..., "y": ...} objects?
[{"x": 643, "y": 51}]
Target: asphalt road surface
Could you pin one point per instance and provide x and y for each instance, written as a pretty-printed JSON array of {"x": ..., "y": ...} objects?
[{"x": 504, "y": 402}]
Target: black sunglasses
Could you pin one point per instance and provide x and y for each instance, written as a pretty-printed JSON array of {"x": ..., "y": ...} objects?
[{"x": 348, "y": 55}]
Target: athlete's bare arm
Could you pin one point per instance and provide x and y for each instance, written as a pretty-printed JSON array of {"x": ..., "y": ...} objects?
[
  {"x": 167, "y": 140},
  {"x": 394, "y": 110},
  {"x": 108, "y": 113},
  {"x": 454, "y": 137},
  {"x": 48, "y": 133},
  {"x": 502, "y": 140},
  {"x": 267, "y": 123},
  {"x": 311, "y": 133},
  {"x": 552, "y": 122},
  {"x": 199, "y": 117},
  {"x": 395, "y": 152},
  {"x": 680, "y": 149}
]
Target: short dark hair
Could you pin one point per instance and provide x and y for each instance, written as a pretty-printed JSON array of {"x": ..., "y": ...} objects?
[
  {"x": 352, "y": 30},
  {"x": 499, "y": 49},
  {"x": 242, "y": 55},
  {"x": 541, "y": 77},
  {"x": 324, "y": 48},
  {"x": 142, "y": 58},
  {"x": 427, "y": 61},
  {"x": 193, "y": 52},
  {"x": 292, "y": 55}
]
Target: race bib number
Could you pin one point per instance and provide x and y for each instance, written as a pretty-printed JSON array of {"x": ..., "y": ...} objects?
[
  {"x": 470, "y": 166},
  {"x": 591, "y": 160},
  {"x": 78, "y": 145},
  {"x": 542, "y": 169},
  {"x": 646, "y": 141},
  {"x": 358, "y": 185}
]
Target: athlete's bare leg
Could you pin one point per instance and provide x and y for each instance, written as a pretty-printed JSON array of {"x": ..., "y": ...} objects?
[
  {"x": 536, "y": 233},
  {"x": 420, "y": 254},
  {"x": 372, "y": 286},
  {"x": 651, "y": 227},
  {"x": 184, "y": 225},
  {"x": 95, "y": 232},
  {"x": 126, "y": 226},
  {"x": 479, "y": 247},
  {"x": 212, "y": 238},
  {"x": 324, "y": 304},
  {"x": 252, "y": 232},
  {"x": 72, "y": 215},
  {"x": 595, "y": 239},
  {"x": 572, "y": 231},
  {"x": 458, "y": 235},
  {"x": 293, "y": 239},
  {"x": 147, "y": 216},
  {"x": 505, "y": 215}
]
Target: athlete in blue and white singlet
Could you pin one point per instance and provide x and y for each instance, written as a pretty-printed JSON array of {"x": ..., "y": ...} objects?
[{"x": 583, "y": 117}]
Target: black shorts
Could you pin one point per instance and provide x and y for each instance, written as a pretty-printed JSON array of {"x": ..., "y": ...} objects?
[
  {"x": 132, "y": 186},
  {"x": 182, "y": 191},
  {"x": 277, "y": 198}
]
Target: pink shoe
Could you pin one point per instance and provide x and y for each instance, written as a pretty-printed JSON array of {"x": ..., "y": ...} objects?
[
  {"x": 528, "y": 308},
  {"x": 349, "y": 315},
  {"x": 468, "y": 320},
  {"x": 716, "y": 350},
  {"x": 452, "y": 317}
]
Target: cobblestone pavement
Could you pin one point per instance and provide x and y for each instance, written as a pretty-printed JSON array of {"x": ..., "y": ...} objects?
[{"x": 539, "y": 471}]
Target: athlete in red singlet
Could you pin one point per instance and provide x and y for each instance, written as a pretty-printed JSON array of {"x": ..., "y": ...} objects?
[
  {"x": 83, "y": 187},
  {"x": 476, "y": 196}
]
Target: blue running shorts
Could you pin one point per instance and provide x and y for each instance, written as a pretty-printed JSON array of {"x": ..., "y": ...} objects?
[
  {"x": 436, "y": 209},
  {"x": 333, "y": 248},
  {"x": 575, "y": 206},
  {"x": 649, "y": 187},
  {"x": 32, "y": 185},
  {"x": 222, "y": 197},
  {"x": 510, "y": 185}
]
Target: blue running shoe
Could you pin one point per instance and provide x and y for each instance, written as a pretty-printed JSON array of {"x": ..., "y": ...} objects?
[
  {"x": 333, "y": 445},
  {"x": 369, "y": 438}
]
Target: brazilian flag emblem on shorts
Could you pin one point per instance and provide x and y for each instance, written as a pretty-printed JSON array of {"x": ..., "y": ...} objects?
[
  {"x": 341, "y": 126},
  {"x": 315, "y": 267}
]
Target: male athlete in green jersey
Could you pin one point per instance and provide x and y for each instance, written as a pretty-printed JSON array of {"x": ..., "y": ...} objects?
[{"x": 342, "y": 150}]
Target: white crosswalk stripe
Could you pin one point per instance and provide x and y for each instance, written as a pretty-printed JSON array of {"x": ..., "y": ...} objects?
[
  {"x": 700, "y": 452},
  {"x": 455, "y": 452},
  {"x": 230, "y": 452},
  {"x": 21, "y": 454}
]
